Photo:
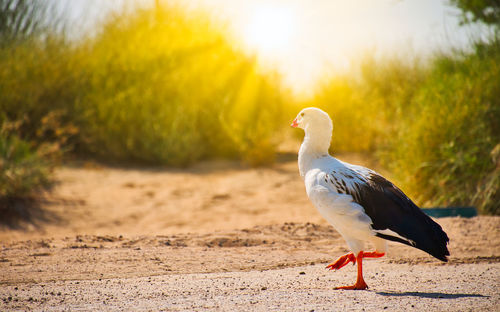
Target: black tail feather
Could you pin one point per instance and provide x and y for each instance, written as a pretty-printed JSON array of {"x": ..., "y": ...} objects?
[
  {"x": 440, "y": 253},
  {"x": 389, "y": 208}
]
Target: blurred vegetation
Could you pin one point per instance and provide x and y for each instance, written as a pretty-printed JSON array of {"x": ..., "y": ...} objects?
[
  {"x": 22, "y": 167},
  {"x": 484, "y": 11},
  {"x": 168, "y": 87},
  {"x": 153, "y": 86},
  {"x": 434, "y": 125},
  {"x": 20, "y": 20},
  {"x": 25, "y": 163}
]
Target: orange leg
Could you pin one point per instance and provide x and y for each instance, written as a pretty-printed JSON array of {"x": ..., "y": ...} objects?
[
  {"x": 360, "y": 282},
  {"x": 342, "y": 261},
  {"x": 373, "y": 254},
  {"x": 345, "y": 259}
]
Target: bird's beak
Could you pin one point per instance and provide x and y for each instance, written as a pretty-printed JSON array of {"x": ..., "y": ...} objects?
[{"x": 294, "y": 123}]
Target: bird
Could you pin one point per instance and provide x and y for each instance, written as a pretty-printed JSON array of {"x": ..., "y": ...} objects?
[{"x": 359, "y": 203}]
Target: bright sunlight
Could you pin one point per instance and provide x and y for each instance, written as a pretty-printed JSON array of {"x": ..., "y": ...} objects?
[{"x": 270, "y": 30}]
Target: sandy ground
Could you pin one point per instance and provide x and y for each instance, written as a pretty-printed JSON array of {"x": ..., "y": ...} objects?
[
  {"x": 221, "y": 237},
  {"x": 94, "y": 199}
]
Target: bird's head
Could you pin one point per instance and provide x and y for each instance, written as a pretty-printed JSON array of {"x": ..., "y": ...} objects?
[
  {"x": 318, "y": 128},
  {"x": 313, "y": 118}
]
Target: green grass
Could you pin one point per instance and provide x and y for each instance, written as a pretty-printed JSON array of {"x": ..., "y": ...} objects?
[
  {"x": 23, "y": 169},
  {"x": 443, "y": 150},
  {"x": 169, "y": 88},
  {"x": 434, "y": 125},
  {"x": 159, "y": 87}
]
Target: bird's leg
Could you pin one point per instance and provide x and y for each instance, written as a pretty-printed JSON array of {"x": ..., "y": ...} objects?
[
  {"x": 360, "y": 282},
  {"x": 345, "y": 259},
  {"x": 342, "y": 261},
  {"x": 373, "y": 254}
]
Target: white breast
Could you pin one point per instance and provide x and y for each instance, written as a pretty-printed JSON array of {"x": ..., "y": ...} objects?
[{"x": 346, "y": 216}]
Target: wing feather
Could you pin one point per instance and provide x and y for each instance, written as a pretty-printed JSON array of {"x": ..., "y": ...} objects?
[{"x": 394, "y": 216}]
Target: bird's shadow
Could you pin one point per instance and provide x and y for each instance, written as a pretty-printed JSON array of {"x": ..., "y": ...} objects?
[{"x": 434, "y": 295}]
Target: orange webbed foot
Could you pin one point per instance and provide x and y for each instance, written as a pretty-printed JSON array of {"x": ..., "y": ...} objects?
[
  {"x": 345, "y": 259},
  {"x": 361, "y": 285},
  {"x": 342, "y": 261},
  {"x": 360, "y": 282}
]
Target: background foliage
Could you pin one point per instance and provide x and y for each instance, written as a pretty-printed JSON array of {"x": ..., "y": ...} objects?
[
  {"x": 166, "y": 87},
  {"x": 434, "y": 126},
  {"x": 155, "y": 86}
]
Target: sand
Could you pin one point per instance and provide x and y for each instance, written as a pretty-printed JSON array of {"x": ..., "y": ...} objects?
[{"x": 220, "y": 236}]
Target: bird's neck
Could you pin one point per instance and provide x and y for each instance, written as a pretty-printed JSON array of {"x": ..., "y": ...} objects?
[{"x": 315, "y": 145}]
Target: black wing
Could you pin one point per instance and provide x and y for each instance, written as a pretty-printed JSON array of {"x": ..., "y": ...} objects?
[{"x": 389, "y": 208}]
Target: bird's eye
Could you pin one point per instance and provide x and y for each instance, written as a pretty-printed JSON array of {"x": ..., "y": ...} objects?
[{"x": 301, "y": 114}]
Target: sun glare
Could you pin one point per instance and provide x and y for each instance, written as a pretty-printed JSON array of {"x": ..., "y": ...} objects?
[{"x": 270, "y": 30}]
